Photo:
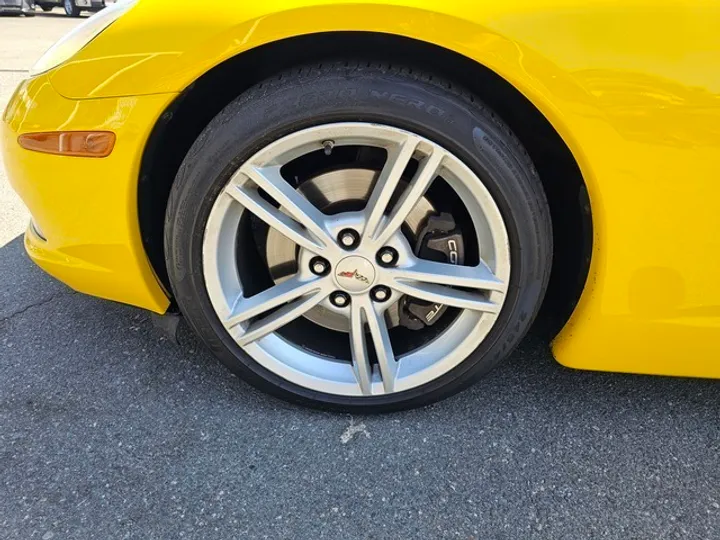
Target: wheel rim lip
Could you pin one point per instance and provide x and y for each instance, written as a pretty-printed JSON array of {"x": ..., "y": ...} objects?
[{"x": 311, "y": 369}]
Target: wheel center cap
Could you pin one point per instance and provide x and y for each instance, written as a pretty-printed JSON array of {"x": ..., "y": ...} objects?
[{"x": 355, "y": 274}]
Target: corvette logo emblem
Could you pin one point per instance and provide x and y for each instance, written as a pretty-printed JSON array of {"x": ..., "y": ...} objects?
[{"x": 354, "y": 274}]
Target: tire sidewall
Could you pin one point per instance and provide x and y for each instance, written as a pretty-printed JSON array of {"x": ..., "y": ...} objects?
[
  {"x": 454, "y": 120},
  {"x": 71, "y": 8}
]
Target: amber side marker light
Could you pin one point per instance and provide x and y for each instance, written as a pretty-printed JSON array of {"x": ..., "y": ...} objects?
[{"x": 98, "y": 144}]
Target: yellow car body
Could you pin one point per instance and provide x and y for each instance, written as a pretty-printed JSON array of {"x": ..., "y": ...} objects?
[{"x": 632, "y": 88}]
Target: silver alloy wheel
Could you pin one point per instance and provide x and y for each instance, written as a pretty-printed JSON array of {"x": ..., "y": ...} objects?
[{"x": 478, "y": 291}]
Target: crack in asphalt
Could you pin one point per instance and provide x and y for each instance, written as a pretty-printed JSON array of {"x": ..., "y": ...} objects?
[{"x": 36, "y": 304}]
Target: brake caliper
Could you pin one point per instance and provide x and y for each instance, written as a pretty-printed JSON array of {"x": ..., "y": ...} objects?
[{"x": 440, "y": 241}]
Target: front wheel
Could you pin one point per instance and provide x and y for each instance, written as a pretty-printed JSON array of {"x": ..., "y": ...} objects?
[
  {"x": 363, "y": 238},
  {"x": 71, "y": 9}
]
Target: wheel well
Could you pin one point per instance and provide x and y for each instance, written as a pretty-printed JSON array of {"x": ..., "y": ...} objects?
[{"x": 562, "y": 180}]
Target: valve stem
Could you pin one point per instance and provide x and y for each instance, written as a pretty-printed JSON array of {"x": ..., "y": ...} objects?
[{"x": 328, "y": 146}]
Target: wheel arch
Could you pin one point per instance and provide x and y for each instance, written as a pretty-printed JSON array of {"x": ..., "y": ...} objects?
[{"x": 558, "y": 166}]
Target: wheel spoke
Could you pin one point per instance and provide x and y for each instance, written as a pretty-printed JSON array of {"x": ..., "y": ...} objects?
[
  {"x": 426, "y": 173},
  {"x": 298, "y": 207},
  {"x": 472, "y": 277},
  {"x": 359, "y": 349},
  {"x": 443, "y": 295},
  {"x": 362, "y": 312},
  {"x": 397, "y": 160},
  {"x": 277, "y": 295},
  {"x": 253, "y": 202},
  {"x": 298, "y": 297},
  {"x": 281, "y": 317},
  {"x": 383, "y": 348}
]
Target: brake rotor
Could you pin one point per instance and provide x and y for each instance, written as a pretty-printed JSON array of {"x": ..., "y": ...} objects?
[{"x": 333, "y": 189}]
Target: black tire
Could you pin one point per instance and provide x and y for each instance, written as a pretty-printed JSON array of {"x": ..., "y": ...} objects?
[
  {"x": 322, "y": 94},
  {"x": 29, "y": 8},
  {"x": 46, "y": 8},
  {"x": 71, "y": 8}
]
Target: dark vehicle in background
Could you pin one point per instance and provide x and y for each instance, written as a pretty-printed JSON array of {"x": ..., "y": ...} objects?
[
  {"x": 72, "y": 7},
  {"x": 26, "y": 7}
]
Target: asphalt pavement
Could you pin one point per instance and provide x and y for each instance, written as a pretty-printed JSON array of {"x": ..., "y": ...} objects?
[{"x": 109, "y": 430}]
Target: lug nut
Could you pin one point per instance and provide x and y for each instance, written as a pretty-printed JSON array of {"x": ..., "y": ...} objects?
[
  {"x": 319, "y": 266},
  {"x": 340, "y": 299},
  {"x": 387, "y": 256},
  {"x": 349, "y": 239},
  {"x": 380, "y": 293}
]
